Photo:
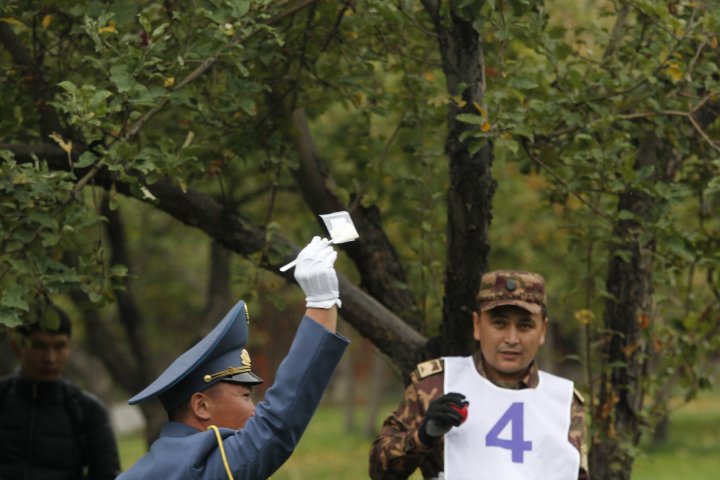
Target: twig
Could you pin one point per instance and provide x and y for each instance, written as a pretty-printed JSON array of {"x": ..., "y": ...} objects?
[
  {"x": 617, "y": 31},
  {"x": 677, "y": 113},
  {"x": 205, "y": 65},
  {"x": 86, "y": 178},
  {"x": 563, "y": 182},
  {"x": 414, "y": 22},
  {"x": 702, "y": 103},
  {"x": 659, "y": 67}
]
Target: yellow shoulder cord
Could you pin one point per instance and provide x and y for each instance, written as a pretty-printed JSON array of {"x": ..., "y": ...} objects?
[{"x": 222, "y": 450}]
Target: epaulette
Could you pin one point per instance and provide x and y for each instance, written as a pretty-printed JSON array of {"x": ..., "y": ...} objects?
[
  {"x": 579, "y": 396},
  {"x": 431, "y": 367}
]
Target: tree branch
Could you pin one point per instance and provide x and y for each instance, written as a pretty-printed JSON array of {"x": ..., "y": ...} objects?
[
  {"x": 689, "y": 115},
  {"x": 205, "y": 66},
  {"x": 557, "y": 177},
  {"x": 131, "y": 316},
  {"x": 432, "y": 7},
  {"x": 39, "y": 89},
  {"x": 373, "y": 254},
  {"x": 617, "y": 31},
  {"x": 383, "y": 328}
]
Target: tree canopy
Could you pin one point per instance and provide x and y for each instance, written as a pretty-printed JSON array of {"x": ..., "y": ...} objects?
[{"x": 579, "y": 139}]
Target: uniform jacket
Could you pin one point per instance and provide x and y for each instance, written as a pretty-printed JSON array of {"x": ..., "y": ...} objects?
[
  {"x": 395, "y": 455},
  {"x": 269, "y": 437},
  {"x": 54, "y": 431}
]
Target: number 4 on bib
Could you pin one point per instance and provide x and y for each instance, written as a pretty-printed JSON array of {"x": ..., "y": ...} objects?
[{"x": 517, "y": 443}]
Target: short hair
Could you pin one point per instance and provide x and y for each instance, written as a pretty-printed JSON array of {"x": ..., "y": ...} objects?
[
  {"x": 179, "y": 413},
  {"x": 48, "y": 318},
  {"x": 543, "y": 309}
]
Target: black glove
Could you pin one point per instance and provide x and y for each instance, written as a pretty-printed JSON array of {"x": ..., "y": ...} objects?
[{"x": 442, "y": 414}]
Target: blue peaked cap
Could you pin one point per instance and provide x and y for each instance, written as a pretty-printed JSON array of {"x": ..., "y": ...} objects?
[{"x": 219, "y": 356}]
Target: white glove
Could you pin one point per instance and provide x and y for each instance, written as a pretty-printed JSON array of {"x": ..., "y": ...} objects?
[{"x": 316, "y": 275}]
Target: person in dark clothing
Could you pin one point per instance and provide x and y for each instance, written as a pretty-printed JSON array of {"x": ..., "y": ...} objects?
[{"x": 50, "y": 429}]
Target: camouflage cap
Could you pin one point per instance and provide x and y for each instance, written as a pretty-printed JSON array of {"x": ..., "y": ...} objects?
[{"x": 512, "y": 287}]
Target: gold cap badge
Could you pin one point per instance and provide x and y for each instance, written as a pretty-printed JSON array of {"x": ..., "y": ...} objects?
[{"x": 245, "y": 358}]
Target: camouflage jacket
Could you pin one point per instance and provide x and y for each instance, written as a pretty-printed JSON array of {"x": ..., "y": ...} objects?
[{"x": 395, "y": 454}]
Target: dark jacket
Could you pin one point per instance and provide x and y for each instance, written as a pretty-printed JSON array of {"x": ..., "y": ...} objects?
[{"x": 54, "y": 431}]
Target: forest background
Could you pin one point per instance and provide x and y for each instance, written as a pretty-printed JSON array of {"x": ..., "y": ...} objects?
[{"x": 161, "y": 160}]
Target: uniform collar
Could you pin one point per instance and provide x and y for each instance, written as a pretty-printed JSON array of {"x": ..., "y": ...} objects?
[
  {"x": 531, "y": 380},
  {"x": 177, "y": 429}
]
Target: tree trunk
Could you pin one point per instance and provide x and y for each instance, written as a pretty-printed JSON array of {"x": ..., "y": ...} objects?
[
  {"x": 471, "y": 184},
  {"x": 627, "y": 313}
]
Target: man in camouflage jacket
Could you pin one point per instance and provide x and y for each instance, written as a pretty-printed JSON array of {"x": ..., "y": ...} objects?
[{"x": 510, "y": 324}]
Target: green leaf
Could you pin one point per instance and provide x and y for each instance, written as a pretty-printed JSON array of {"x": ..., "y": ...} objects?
[
  {"x": 9, "y": 318},
  {"x": 68, "y": 86},
  {"x": 625, "y": 215},
  {"x": 49, "y": 239},
  {"x": 125, "y": 12},
  {"x": 98, "y": 98},
  {"x": 470, "y": 118},
  {"x": 43, "y": 218},
  {"x": 12, "y": 297},
  {"x": 505, "y": 144},
  {"x": 85, "y": 160},
  {"x": 523, "y": 82},
  {"x": 240, "y": 7},
  {"x": 121, "y": 77}
]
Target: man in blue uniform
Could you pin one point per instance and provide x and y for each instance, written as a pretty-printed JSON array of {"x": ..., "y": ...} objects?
[{"x": 214, "y": 430}]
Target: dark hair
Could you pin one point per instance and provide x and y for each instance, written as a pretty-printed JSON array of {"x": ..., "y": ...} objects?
[
  {"x": 179, "y": 413},
  {"x": 543, "y": 309},
  {"x": 49, "y": 318}
]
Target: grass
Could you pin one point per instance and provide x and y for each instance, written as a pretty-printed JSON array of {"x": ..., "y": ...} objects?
[
  {"x": 326, "y": 451},
  {"x": 131, "y": 448},
  {"x": 692, "y": 447}
]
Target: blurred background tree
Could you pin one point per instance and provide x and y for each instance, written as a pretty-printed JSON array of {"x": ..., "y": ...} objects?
[{"x": 577, "y": 139}]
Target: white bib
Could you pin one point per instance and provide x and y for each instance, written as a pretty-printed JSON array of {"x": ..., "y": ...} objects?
[{"x": 510, "y": 434}]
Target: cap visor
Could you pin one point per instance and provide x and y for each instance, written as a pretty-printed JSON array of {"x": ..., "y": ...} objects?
[
  {"x": 530, "y": 307},
  {"x": 247, "y": 377}
]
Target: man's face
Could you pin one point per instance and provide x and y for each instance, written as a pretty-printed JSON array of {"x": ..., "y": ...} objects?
[
  {"x": 231, "y": 404},
  {"x": 510, "y": 338},
  {"x": 42, "y": 355}
]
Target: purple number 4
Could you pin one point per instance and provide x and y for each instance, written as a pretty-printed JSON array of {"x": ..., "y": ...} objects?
[{"x": 517, "y": 444}]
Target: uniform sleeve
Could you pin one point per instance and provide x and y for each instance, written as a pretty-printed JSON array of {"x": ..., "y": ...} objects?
[
  {"x": 267, "y": 440},
  {"x": 101, "y": 455},
  {"x": 578, "y": 434},
  {"x": 394, "y": 454}
]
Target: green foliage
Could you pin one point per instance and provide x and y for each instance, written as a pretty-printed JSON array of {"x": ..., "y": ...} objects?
[
  {"x": 198, "y": 92},
  {"x": 576, "y": 97},
  {"x": 33, "y": 199}
]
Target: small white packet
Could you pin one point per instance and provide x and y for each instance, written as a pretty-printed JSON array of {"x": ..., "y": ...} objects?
[
  {"x": 340, "y": 226},
  {"x": 341, "y": 229}
]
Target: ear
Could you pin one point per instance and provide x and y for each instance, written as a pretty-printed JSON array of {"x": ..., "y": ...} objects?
[
  {"x": 476, "y": 317},
  {"x": 201, "y": 406},
  {"x": 544, "y": 328}
]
